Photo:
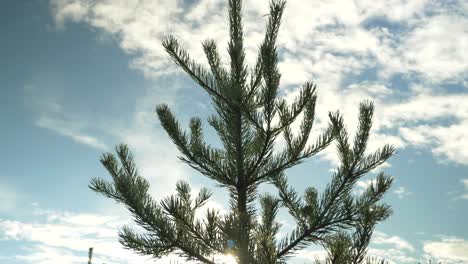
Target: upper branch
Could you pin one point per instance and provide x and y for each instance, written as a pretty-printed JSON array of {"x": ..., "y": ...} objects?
[
  {"x": 336, "y": 205},
  {"x": 193, "y": 69},
  {"x": 198, "y": 155}
]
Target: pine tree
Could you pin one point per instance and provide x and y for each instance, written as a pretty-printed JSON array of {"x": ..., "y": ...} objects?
[{"x": 246, "y": 103}]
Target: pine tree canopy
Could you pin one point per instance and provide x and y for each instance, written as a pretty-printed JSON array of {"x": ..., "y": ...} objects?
[{"x": 249, "y": 118}]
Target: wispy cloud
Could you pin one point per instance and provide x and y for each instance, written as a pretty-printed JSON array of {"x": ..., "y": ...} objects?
[
  {"x": 8, "y": 197},
  {"x": 68, "y": 128},
  {"x": 49, "y": 113},
  {"x": 155, "y": 155},
  {"x": 401, "y": 192},
  {"x": 465, "y": 186}
]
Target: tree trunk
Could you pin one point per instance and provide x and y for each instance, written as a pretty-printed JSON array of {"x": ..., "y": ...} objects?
[{"x": 243, "y": 238}]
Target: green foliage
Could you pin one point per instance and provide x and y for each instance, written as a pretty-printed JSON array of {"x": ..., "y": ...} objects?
[{"x": 246, "y": 104}]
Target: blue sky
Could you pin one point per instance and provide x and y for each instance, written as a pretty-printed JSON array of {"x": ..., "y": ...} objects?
[{"x": 80, "y": 76}]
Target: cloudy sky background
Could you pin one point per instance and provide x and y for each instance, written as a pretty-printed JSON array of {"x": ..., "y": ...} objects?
[{"x": 80, "y": 76}]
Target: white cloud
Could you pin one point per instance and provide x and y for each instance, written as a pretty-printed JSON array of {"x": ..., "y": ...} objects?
[
  {"x": 140, "y": 25},
  {"x": 393, "y": 249},
  {"x": 435, "y": 52},
  {"x": 392, "y": 255},
  {"x": 451, "y": 250},
  {"x": 70, "y": 10},
  {"x": 58, "y": 237},
  {"x": 449, "y": 148},
  {"x": 41, "y": 254},
  {"x": 63, "y": 237},
  {"x": 395, "y": 10},
  {"x": 419, "y": 118},
  {"x": 401, "y": 192},
  {"x": 380, "y": 238},
  {"x": 362, "y": 185},
  {"x": 325, "y": 41}
]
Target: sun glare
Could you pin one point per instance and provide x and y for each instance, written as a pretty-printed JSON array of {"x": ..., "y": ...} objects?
[{"x": 225, "y": 259}]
